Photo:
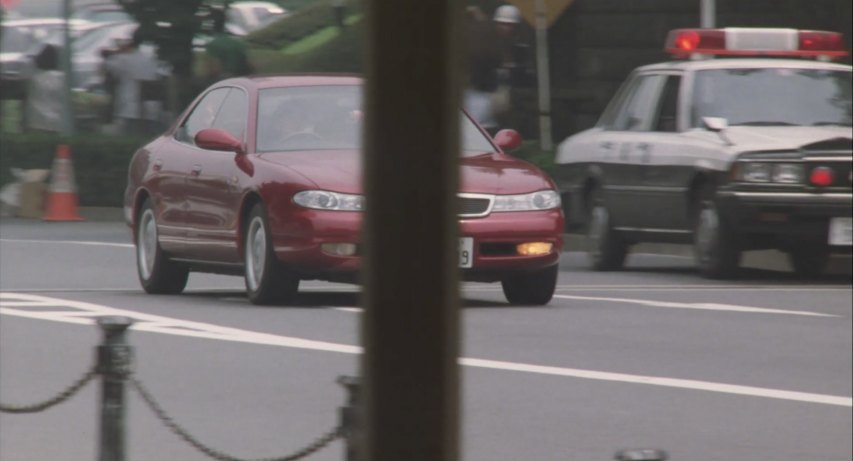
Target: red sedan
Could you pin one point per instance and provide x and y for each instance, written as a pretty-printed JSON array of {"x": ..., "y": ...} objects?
[{"x": 261, "y": 177}]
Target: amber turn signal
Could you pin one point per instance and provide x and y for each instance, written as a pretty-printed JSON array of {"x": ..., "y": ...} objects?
[{"x": 534, "y": 248}]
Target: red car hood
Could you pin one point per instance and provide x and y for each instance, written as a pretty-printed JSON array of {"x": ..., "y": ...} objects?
[{"x": 340, "y": 171}]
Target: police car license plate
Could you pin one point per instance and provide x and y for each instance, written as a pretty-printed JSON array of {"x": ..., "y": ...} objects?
[
  {"x": 841, "y": 231},
  {"x": 466, "y": 252}
]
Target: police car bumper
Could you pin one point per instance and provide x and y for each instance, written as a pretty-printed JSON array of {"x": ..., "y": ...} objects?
[{"x": 804, "y": 216}]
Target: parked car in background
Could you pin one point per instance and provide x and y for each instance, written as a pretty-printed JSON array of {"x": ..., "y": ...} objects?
[
  {"x": 88, "y": 47},
  {"x": 14, "y": 44},
  {"x": 729, "y": 154},
  {"x": 101, "y": 12},
  {"x": 22, "y": 37},
  {"x": 251, "y": 16},
  {"x": 261, "y": 177}
]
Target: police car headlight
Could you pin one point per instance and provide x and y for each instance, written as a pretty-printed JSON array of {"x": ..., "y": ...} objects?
[
  {"x": 326, "y": 200},
  {"x": 755, "y": 172},
  {"x": 777, "y": 173},
  {"x": 788, "y": 173},
  {"x": 542, "y": 200}
]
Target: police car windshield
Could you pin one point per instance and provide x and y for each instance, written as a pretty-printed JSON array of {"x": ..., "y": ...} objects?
[{"x": 773, "y": 97}]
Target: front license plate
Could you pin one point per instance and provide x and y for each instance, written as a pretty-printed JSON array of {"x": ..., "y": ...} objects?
[
  {"x": 841, "y": 231},
  {"x": 466, "y": 251}
]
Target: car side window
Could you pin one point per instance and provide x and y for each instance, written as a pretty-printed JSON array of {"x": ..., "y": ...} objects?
[
  {"x": 234, "y": 113},
  {"x": 616, "y": 104},
  {"x": 202, "y": 115},
  {"x": 668, "y": 108},
  {"x": 636, "y": 115}
]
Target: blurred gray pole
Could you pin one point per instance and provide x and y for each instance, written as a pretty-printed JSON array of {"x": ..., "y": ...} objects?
[
  {"x": 410, "y": 326},
  {"x": 67, "y": 109},
  {"x": 543, "y": 75},
  {"x": 708, "y": 14}
]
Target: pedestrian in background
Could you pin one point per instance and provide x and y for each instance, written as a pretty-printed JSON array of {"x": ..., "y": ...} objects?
[
  {"x": 45, "y": 93},
  {"x": 226, "y": 56},
  {"x": 482, "y": 79},
  {"x": 130, "y": 67}
]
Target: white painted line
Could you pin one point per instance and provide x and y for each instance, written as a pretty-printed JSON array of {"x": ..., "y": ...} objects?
[
  {"x": 349, "y": 309},
  {"x": 666, "y": 382},
  {"x": 70, "y": 242},
  {"x": 170, "y": 326},
  {"x": 703, "y": 306},
  {"x": 28, "y": 304}
]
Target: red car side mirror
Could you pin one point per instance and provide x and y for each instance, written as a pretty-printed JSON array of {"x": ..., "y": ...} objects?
[
  {"x": 508, "y": 140},
  {"x": 216, "y": 139}
]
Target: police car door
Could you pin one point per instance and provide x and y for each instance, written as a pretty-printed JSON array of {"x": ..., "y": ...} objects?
[
  {"x": 629, "y": 202},
  {"x": 664, "y": 166}
]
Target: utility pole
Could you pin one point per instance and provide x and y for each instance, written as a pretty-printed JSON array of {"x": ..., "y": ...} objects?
[
  {"x": 67, "y": 69},
  {"x": 543, "y": 76},
  {"x": 708, "y": 14}
]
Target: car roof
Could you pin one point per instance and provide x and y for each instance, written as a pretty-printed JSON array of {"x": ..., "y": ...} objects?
[
  {"x": 36, "y": 22},
  {"x": 743, "y": 63},
  {"x": 289, "y": 80},
  {"x": 253, "y": 5}
]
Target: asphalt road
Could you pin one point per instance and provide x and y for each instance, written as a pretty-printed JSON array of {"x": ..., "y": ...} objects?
[{"x": 654, "y": 356}]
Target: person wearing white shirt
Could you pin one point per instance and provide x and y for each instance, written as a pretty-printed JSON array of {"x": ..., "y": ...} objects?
[{"x": 130, "y": 66}]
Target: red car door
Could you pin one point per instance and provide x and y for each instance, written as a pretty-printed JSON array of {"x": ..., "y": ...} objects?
[
  {"x": 214, "y": 191},
  {"x": 176, "y": 158},
  {"x": 166, "y": 180}
]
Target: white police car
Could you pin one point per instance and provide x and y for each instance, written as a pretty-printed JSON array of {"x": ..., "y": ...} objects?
[{"x": 749, "y": 151}]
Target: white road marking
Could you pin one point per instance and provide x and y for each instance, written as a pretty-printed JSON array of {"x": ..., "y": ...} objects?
[
  {"x": 703, "y": 306},
  {"x": 70, "y": 242},
  {"x": 86, "y": 313}
]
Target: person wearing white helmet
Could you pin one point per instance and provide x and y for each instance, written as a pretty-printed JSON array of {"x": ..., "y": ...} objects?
[{"x": 507, "y": 14}]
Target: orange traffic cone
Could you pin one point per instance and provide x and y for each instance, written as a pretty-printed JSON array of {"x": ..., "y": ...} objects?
[{"x": 62, "y": 196}]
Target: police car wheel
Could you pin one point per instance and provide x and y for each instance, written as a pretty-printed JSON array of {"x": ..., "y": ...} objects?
[
  {"x": 606, "y": 248},
  {"x": 715, "y": 245},
  {"x": 267, "y": 280}
]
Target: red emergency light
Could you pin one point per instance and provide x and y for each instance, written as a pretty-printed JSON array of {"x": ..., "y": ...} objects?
[{"x": 745, "y": 41}]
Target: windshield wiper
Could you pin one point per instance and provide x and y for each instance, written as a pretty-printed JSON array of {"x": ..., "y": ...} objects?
[{"x": 764, "y": 123}]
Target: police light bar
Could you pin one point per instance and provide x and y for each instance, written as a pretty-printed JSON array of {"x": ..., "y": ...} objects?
[{"x": 743, "y": 41}]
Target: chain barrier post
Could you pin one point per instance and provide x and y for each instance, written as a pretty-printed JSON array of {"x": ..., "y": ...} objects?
[
  {"x": 114, "y": 365},
  {"x": 351, "y": 430}
]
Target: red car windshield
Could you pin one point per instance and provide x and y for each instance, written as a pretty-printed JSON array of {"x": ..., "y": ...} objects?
[{"x": 327, "y": 117}]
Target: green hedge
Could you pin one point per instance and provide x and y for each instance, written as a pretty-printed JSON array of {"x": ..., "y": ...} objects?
[
  {"x": 530, "y": 151},
  {"x": 302, "y": 23},
  {"x": 100, "y": 162}
]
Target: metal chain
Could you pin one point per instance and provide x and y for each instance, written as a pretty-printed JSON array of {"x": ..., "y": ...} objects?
[
  {"x": 318, "y": 444},
  {"x": 63, "y": 396}
]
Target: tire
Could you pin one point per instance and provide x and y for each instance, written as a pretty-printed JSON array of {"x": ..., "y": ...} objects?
[
  {"x": 715, "y": 246},
  {"x": 157, "y": 273},
  {"x": 531, "y": 288},
  {"x": 267, "y": 280},
  {"x": 810, "y": 260},
  {"x": 607, "y": 250}
]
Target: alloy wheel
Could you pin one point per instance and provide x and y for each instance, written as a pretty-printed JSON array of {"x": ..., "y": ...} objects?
[{"x": 256, "y": 253}]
